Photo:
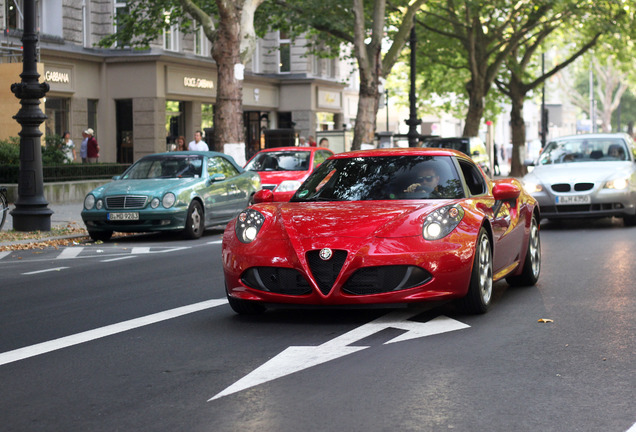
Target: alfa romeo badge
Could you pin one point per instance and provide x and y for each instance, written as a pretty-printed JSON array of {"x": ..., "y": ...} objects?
[{"x": 325, "y": 254}]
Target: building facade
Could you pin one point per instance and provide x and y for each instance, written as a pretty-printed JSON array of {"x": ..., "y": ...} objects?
[{"x": 139, "y": 102}]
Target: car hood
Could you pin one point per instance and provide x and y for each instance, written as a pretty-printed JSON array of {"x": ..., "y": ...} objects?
[
  {"x": 277, "y": 177},
  {"x": 354, "y": 219},
  {"x": 593, "y": 172},
  {"x": 148, "y": 187}
]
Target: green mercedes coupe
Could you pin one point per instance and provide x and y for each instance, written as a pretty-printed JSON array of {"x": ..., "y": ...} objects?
[{"x": 178, "y": 191}]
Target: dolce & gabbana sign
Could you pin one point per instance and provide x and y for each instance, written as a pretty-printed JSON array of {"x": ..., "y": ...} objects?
[
  {"x": 58, "y": 77},
  {"x": 192, "y": 82},
  {"x": 200, "y": 83}
]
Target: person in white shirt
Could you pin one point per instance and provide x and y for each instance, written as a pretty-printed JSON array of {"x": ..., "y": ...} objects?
[{"x": 198, "y": 144}]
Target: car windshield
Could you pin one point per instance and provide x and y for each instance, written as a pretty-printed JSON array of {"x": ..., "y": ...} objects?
[
  {"x": 382, "y": 178},
  {"x": 153, "y": 167},
  {"x": 280, "y": 161},
  {"x": 577, "y": 150}
]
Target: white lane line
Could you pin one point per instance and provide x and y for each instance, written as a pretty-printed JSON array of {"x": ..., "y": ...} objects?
[
  {"x": 87, "y": 336},
  {"x": 215, "y": 242},
  {"x": 632, "y": 429},
  {"x": 45, "y": 271},
  {"x": 4, "y": 254},
  {"x": 118, "y": 259},
  {"x": 140, "y": 250},
  {"x": 70, "y": 252}
]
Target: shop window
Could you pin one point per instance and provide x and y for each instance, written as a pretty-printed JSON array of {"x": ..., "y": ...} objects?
[
  {"x": 207, "y": 116},
  {"x": 284, "y": 48},
  {"x": 175, "y": 121},
  {"x": 56, "y": 110}
]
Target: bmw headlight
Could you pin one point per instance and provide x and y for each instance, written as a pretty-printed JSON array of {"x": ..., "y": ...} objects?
[
  {"x": 168, "y": 200},
  {"x": 442, "y": 221},
  {"x": 617, "y": 183},
  {"x": 288, "y": 186},
  {"x": 154, "y": 203},
  {"x": 532, "y": 187},
  {"x": 248, "y": 224},
  {"x": 89, "y": 202}
]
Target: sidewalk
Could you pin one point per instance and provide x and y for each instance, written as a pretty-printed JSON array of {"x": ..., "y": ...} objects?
[{"x": 63, "y": 215}]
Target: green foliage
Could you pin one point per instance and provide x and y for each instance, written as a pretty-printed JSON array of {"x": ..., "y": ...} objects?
[{"x": 10, "y": 151}]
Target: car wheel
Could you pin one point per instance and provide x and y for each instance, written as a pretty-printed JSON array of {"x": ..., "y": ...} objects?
[
  {"x": 479, "y": 294},
  {"x": 629, "y": 220},
  {"x": 532, "y": 263},
  {"x": 194, "y": 225},
  {"x": 100, "y": 235},
  {"x": 244, "y": 307}
]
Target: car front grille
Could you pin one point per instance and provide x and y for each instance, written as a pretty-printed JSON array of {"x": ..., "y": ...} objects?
[
  {"x": 600, "y": 207},
  {"x": 383, "y": 279},
  {"x": 566, "y": 187},
  {"x": 121, "y": 202},
  {"x": 326, "y": 271},
  {"x": 278, "y": 280}
]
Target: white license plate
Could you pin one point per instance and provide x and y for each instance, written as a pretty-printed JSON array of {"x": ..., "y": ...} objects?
[
  {"x": 574, "y": 199},
  {"x": 123, "y": 216}
]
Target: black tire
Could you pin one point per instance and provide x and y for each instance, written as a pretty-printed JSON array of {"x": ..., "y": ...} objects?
[
  {"x": 100, "y": 235},
  {"x": 244, "y": 307},
  {"x": 4, "y": 209},
  {"x": 479, "y": 295},
  {"x": 628, "y": 221},
  {"x": 195, "y": 224},
  {"x": 532, "y": 264}
]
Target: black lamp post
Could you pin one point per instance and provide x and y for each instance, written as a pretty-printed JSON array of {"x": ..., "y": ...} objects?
[
  {"x": 412, "y": 121},
  {"x": 31, "y": 211}
]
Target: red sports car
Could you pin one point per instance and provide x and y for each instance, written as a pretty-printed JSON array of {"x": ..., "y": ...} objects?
[
  {"x": 283, "y": 169},
  {"x": 384, "y": 226}
]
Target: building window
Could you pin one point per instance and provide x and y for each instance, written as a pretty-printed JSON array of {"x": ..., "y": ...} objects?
[
  {"x": 56, "y": 110},
  {"x": 121, "y": 10},
  {"x": 284, "y": 52},
  {"x": 201, "y": 46},
  {"x": 170, "y": 35},
  {"x": 13, "y": 14}
]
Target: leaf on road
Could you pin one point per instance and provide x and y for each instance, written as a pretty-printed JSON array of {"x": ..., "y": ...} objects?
[{"x": 545, "y": 320}]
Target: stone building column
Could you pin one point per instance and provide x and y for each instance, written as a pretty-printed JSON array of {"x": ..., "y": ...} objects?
[{"x": 149, "y": 126}]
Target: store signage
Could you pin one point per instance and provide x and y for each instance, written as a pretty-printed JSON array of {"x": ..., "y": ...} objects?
[
  {"x": 199, "y": 83},
  {"x": 329, "y": 99},
  {"x": 57, "y": 77}
]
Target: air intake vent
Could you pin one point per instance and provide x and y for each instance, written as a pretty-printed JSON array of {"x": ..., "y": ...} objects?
[
  {"x": 326, "y": 271},
  {"x": 383, "y": 279}
]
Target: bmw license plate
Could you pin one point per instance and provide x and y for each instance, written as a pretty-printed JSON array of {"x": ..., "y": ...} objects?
[
  {"x": 574, "y": 199},
  {"x": 123, "y": 216}
]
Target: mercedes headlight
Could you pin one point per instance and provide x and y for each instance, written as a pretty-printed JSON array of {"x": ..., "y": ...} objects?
[
  {"x": 168, "y": 200},
  {"x": 442, "y": 221},
  {"x": 248, "y": 224},
  {"x": 89, "y": 201},
  {"x": 154, "y": 203},
  {"x": 288, "y": 186}
]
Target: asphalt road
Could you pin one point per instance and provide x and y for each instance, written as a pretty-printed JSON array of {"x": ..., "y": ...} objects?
[{"x": 137, "y": 335}]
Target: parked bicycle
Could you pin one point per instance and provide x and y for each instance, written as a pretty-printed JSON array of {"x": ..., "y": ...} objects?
[{"x": 4, "y": 206}]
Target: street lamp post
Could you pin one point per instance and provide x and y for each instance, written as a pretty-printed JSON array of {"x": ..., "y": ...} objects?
[
  {"x": 31, "y": 211},
  {"x": 412, "y": 121}
]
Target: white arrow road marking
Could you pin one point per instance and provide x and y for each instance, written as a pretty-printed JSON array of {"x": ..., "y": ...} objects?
[
  {"x": 140, "y": 250},
  {"x": 4, "y": 254},
  {"x": 118, "y": 259},
  {"x": 297, "y": 358},
  {"x": 87, "y": 336}
]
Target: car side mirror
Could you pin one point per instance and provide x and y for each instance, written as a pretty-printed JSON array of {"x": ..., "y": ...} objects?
[
  {"x": 506, "y": 190},
  {"x": 264, "y": 196},
  {"x": 217, "y": 177}
]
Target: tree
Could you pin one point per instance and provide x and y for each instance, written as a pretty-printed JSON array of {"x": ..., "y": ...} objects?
[
  {"x": 367, "y": 27},
  {"x": 228, "y": 25}
]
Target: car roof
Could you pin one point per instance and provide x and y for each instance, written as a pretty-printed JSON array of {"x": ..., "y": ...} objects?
[
  {"x": 208, "y": 154},
  {"x": 622, "y": 135},
  {"x": 410, "y": 151},
  {"x": 294, "y": 148}
]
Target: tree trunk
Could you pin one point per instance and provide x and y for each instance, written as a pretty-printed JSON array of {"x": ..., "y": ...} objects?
[
  {"x": 476, "y": 104},
  {"x": 364, "y": 130},
  {"x": 228, "y": 112},
  {"x": 518, "y": 129}
]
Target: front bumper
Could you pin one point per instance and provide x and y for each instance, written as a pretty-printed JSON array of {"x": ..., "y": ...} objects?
[
  {"x": 443, "y": 266},
  {"x": 601, "y": 203},
  {"x": 149, "y": 220}
]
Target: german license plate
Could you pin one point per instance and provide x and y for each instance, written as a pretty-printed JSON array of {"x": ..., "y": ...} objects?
[
  {"x": 574, "y": 199},
  {"x": 123, "y": 216}
]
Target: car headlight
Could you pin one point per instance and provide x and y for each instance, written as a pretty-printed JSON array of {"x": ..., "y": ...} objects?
[
  {"x": 442, "y": 221},
  {"x": 89, "y": 202},
  {"x": 99, "y": 204},
  {"x": 618, "y": 184},
  {"x": 532, "y": 187},
  {"x": 168, "y": 200},
  {"x": 154, "y": 203},
  {"x": 288, "y": 186},
  {"x": 248, "y": 224}
]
